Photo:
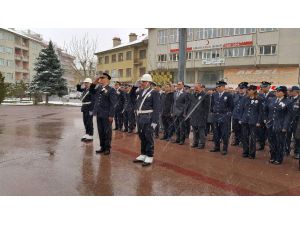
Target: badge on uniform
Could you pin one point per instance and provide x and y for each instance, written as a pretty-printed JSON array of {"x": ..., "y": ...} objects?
[
  {"x": 199, "y": 97},
  {"x": 282, "y": 104},
  {"x": 225, "y": 98},
  {"x": 149, "y": 96}
]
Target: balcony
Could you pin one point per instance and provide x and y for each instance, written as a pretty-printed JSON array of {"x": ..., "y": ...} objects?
[{"x": 18, "y": 56}]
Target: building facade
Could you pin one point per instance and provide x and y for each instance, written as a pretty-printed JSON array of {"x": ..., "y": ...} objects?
[
  {"x": 124, "y": 62},
  {"x": 18, "y": 55},
  {"x": 232, "y": 54}
]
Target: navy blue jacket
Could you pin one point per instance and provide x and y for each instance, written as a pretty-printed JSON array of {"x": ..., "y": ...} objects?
[
  {"x": 105, "y": 101},
  {"x": 252, "y": 111},
  {"x": 120, "y": 100},
  {"x": 238, "y": 103},
  {"x": 265, "y": 100},
  {"x": 278, "y": 114},
  {"x": 86, "y": 98},
  {"x": 222, "y": 107},
  {"x": 152, "y": 102}
]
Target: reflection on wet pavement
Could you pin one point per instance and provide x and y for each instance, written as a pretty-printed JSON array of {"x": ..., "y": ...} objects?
[{"x": 41, "y": 154}]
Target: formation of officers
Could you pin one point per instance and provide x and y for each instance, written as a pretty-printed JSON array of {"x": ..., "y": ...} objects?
[{"x": 252, "y": 116}]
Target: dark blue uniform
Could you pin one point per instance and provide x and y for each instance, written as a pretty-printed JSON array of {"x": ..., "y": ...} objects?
[
  {"x": 166, "y": 108},
  {"x": 147, "y": 114},
  {"x": 87, "y": 109},
  {"x": 222, "y": 106},
  {"x": 105, "y": 103},
  {"x": 262, "y": 130},
  {"x": 278, "y": 114},
  {"x": 236, "y": 117},
  {"x": 295, "y": 113},
  {"x": 119, "y": 109},
  {"x": 129, "y": 115},
  {"x": 251, "y": 116}
]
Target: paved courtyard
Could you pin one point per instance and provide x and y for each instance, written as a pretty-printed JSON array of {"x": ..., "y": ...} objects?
[{"x": 41, "y": 154}]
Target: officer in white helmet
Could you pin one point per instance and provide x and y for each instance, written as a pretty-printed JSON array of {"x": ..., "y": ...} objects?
[
  {"x": 87, "y": 109},
  {"x": 147, "y": 109}
]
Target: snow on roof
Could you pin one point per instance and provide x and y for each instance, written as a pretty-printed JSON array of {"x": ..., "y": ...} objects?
[
  {"x": 20, "y": 34},
  {"x": 140, "y": 39}
]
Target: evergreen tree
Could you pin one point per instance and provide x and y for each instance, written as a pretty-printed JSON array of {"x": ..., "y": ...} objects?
[
  {"x": 49, "y": 73},
  {"x": 3, "y": 88}
]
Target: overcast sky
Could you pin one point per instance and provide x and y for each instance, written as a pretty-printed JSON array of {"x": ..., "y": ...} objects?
[{"x": 104, "y": 35}]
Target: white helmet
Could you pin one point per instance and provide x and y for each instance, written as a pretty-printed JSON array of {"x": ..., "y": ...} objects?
[
  {"x": 88, "y": 80},
  {"x": 146, "y": 77}
]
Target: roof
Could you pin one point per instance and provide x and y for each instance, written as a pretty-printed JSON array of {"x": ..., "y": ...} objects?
[
  {"x": 140, "y": 39},
  {"x": 20, "y": 34}
]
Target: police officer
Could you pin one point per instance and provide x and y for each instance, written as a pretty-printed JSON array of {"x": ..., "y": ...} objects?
[
  {"x": 104, "y": 109},
  {"x": 222, "y": 106},
  {"x": 251, "y": 118},
  {"x": 87, "y": 109},
  {"x": 147, "y": 108},
  {"x": 236, "y": 114},
  {"x": 179, "y": 112},
  {"x": 278, "y": 111},
  {"x": 119, "y": 107},
  {"x": 265, "y": 94},
  {"x": 129, "y": 115},
  {"x": 198, "y": 115},
  {"x": 294, "y": 98},
  {"x": 166, "y": 108}
]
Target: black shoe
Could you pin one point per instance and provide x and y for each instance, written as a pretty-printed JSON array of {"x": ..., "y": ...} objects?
[
  {"x": 146, "y": 164},
  {"x": 130, "y": 131},
  {"x": 251, "y": 157},
  {"x": 276, "y": 163},
  {"x": 83, "y": 139},
  {"x": 125, "y": 130},
  {"x": 194, "y": 146},
  {"x": 156, "y": 136},
  {"x": 296, "y": 156},
  {"x": 271, "y": 160},
  {"x": 168, "y": 139},
  {"x": 116, "y": 128},
  {"x": 201, "y": 147},
  {"x": 215, "y": 150},
  {"x": 176, "y": 141},
  {"x": 224, "y": 152},
  {"x": 245, "y": 155},
  {"x": 106, "y": 152},
  {"x": 181, "y": 143},
  {"x": 100, "y": 151}
]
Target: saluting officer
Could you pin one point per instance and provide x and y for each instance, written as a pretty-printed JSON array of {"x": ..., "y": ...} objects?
[
  {"x": 222, "y": 106},
  {"x": 147, "y": 108},
  {"x": 87, "y": 109},
  {"x": 251, "y": 119},
  {"x": 119, "y": 107},
  {"x": 278, "y": 113},
  {"x": 265, "y": 94},
  {"x": 179, "y": 112},
  {"x": 236, "y": 114},
  {"x": 199, "y": 115},
  {"x": 295, "y": 98},
  {"x": 104, "y": 109}
]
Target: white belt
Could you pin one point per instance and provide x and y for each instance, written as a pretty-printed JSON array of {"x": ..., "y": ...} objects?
[
  {"x": 144, "y": 111},
  {"x": 86, "y": 103}
]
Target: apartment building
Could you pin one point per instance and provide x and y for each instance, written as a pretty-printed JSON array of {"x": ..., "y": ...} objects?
[
  {"x": 125, "y": 62},
  {"x": 232, "y": 54}
]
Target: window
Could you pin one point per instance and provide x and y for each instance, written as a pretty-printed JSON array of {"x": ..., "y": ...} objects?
[
  {"x": 198, "y": 55},
  {"x": 174, "y": 35},
  {"x": 206, "y": 55},
  {"x": 120, "y": 57},
  {"x": 9, "y": 50},
  {"x": 228, "y": 31},
  {"x": 210, "y": 54},
  {"x": 239, "y": 52},
  {"x": 143, "y": 54},
  {"x": 128, "y": 55},
  {"x": 189, "y": 55},
  {"x": 215, "y": 54},
  {"x": 267, "y": 29},
  {"x": 106, "y": 59},
  {"x": 2, "y": 62},
  {"x": 100, "y": 60},
  {"x": 120, "y": 72},
  {"x": 9, "y": 77},
  {"x": 114, "y": 58},
  {"x": 128, "y": 72},
  {"x": 267, "y": 50},
  {"x": 162, "y": 58},
  {"x": 189, "y": 34},
  {"x": 174, "y": 57},
  {"x": 142, "y": 71},
  {"x": 241, "y": 31},
  {"x": 206, "y": 33},
  {"x": 162, "y": 37},
  {"x": 2, "y": 49}
]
